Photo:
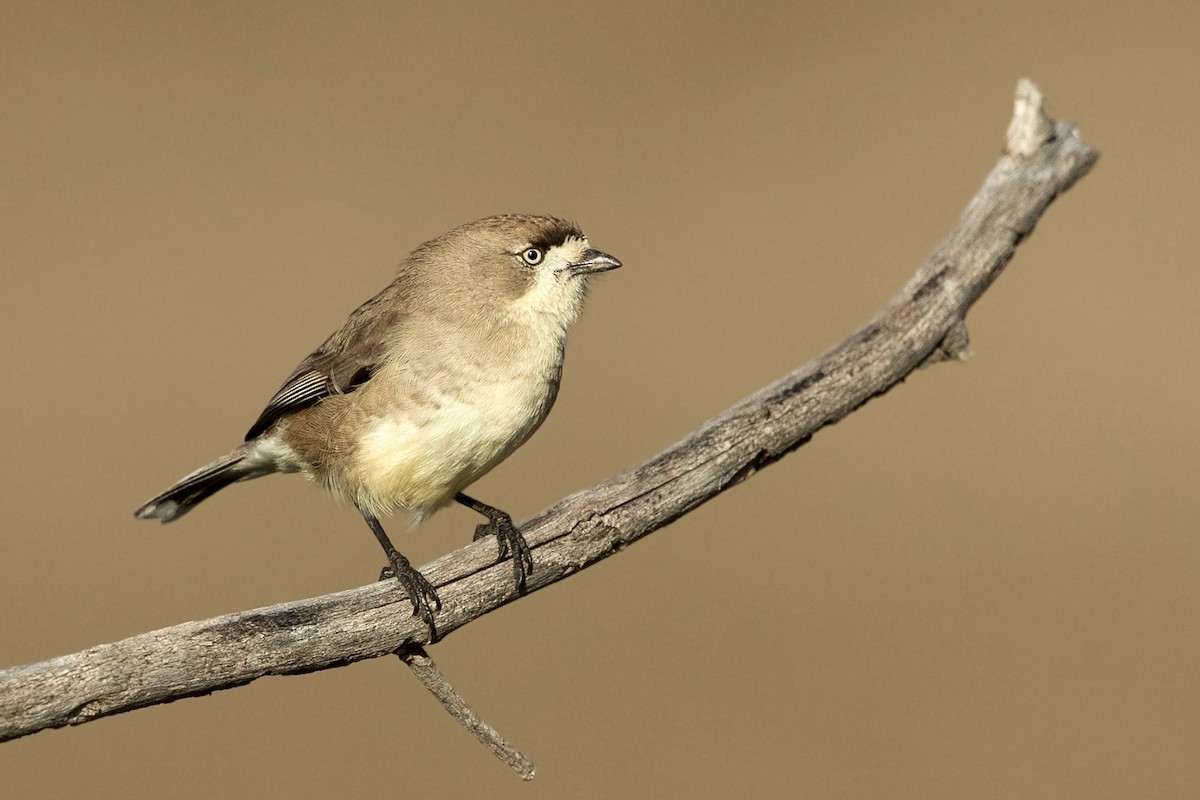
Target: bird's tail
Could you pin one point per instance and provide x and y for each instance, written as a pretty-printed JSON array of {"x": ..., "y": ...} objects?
[{"x": 239, "y": 465}]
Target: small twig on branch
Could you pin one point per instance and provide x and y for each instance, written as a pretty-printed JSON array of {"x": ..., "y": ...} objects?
[
  {"x": 922, "y": 325},
  {"x": 431, "y": 677}
]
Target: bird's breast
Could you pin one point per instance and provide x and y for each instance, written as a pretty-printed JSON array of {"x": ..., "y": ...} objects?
[{"x": 430, "y": 436}]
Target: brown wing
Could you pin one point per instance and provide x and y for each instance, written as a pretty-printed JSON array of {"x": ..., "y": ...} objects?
[{"x": 344, "y": 362}]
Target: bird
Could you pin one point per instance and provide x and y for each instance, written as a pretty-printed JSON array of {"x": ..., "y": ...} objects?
[{"x": 426, "y": 387}]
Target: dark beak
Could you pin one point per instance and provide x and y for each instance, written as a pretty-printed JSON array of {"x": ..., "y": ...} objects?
[{"x": 594, "y": 261}]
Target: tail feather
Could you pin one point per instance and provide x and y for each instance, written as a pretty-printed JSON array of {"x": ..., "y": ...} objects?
[{"x": 199, "y": 485}]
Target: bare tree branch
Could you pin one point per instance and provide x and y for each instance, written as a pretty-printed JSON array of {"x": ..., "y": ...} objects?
[{"x": 923, "y": 324}]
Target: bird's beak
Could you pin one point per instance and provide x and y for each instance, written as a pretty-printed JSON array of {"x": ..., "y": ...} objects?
[{"x": 594, "y": 261}]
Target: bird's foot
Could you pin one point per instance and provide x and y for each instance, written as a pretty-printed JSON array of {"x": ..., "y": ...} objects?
[
  {"x": 420, "y": 591},
  {"x": 510, "y": 541}
]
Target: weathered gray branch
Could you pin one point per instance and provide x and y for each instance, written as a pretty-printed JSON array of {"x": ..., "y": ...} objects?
[
  {"x": 924, "y": 324},
  {"x": 431, "y": 678}
]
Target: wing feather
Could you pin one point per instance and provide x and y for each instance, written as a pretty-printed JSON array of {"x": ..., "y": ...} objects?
[{"x": 343, "y": 363}]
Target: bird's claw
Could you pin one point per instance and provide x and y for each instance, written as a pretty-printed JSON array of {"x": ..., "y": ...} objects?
[
  {"x": 420, "y": 591},
  {"x": 509, "y": 541}
]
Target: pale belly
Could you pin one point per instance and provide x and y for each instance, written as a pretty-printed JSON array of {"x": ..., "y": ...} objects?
[{"x": 419, "y": 457}]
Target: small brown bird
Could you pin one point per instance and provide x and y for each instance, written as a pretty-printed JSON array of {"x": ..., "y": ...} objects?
[{"x": 426, "y": 387}]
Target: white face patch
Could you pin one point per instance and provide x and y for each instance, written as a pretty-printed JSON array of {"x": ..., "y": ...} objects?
[{"x": 555, "y": 299}]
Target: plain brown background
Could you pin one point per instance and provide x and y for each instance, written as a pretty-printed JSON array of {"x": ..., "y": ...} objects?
[{"x": 983, "y": 585}]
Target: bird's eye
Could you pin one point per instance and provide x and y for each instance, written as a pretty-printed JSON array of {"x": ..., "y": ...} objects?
[{"x": 533, "y": 256}]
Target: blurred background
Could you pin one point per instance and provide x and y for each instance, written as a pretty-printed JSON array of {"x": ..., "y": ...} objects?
[{"x": 983, "y": 585}]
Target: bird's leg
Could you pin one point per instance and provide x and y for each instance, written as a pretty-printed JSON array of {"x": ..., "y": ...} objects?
[
  {"x": 420, "y": 590},
  {"x": 507, "y": 536}
]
